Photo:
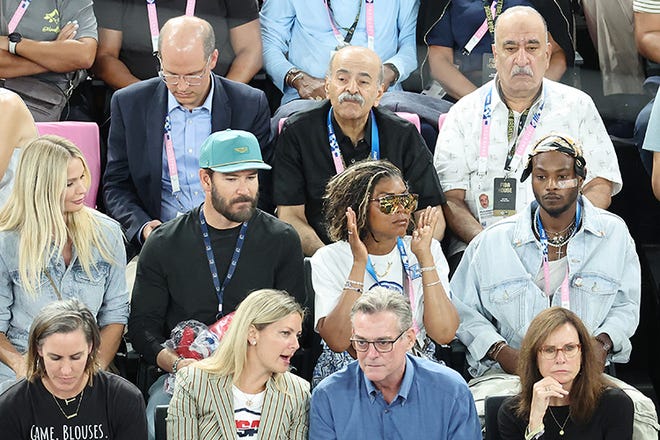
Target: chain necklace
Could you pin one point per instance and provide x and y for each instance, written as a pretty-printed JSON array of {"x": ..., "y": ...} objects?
[
  {"x": 67, "y": 401},
  {"x": 250, "y": 399},
  {"x": 561, "y": 427},
  {"x": 559, "y": 239},
  {"x": 387, "y": 270}
]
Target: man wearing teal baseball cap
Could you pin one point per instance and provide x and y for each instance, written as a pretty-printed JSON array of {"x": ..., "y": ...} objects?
[{"x": 202, "y": 264}]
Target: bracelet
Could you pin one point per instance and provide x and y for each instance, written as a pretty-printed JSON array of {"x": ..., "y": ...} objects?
[
  {"x": 427, "y": 269},
  {"x": 432, "y": 284},
  {"x": 293, "y": 75},
  {"x": 606, "y": 346},
  {"x": 356, "y": 289},
  {"x": 354, "y": 283},
  {"x": 394, "y": 69},
  {"x": 175, "y": 365},
  {"x": 495, "y": 350}
]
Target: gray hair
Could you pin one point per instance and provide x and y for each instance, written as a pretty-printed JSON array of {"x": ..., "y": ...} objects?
[
  {"x": 381, "y": 299},
  {"x": 328, "y": 73}
]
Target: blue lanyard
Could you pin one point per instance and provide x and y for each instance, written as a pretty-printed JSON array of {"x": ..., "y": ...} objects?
[
  {"x": 404, "y": 260},
  {"x": 220, "y": 290},
  {"x": 334, "y": 145}
]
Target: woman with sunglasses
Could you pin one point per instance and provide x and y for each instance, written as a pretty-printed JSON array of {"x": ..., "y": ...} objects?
[
  {"x": 564, "y": 394},
  {"x": 368, "y": 212}
]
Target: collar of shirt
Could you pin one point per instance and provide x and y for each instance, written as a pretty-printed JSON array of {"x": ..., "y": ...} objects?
[
  {"x": 497, "y": 99},
  {"x": 353, "y": 153},
  {"x": 404, "y": 389},
  {"x": 172, "y": 103},
  {"x": 590, "y": 222}
]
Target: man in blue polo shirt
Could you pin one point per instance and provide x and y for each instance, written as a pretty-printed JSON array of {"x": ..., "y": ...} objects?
[{"x": 389, "y": 393}]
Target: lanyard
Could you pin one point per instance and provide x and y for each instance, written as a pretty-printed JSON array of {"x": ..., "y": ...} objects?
[
  {"x": 492, "y": 13},
  {"x": 408, "y": 275},
  {"x": 513, "y": 160},
  {"x": 153, "y": 20},
  {"x": 18, "y": 15},
  {"x": 345, "y": 41},
  {"x": 171, "y": 161},
  {"x": 334, "y": 145},
  {"x": 220, "y": 290},
  {"x": 543, "y": 237}
]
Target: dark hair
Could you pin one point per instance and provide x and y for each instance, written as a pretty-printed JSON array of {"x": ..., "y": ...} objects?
[
  {"x": 587, "y": 386},
  {"x": 353, "y": 188},
  {"x": 62, "y": 317}
]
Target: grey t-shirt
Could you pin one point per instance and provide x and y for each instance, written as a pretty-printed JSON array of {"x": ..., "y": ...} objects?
[{"x": 44, "y": 19}]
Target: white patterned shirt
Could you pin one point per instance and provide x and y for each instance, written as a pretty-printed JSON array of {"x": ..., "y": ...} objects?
[
  {"x": 567, "y": 111},
  {"x": 647, "y": 6}
]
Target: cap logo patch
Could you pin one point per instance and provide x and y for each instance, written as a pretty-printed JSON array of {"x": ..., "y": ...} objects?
[{"x": 241, "y": 149}]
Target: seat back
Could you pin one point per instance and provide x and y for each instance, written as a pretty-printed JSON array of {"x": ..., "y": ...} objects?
[
  {"x": 491, "y": 408},
  {"x": 441, "y": 121},
  {"x": 85, "y": 135},
  {"x": 161, "y": 422}
]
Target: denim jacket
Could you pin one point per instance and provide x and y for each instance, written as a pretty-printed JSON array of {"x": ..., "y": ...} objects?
[
  {"x": 496, "y": 296},
  {"x": 104, "y": 292}
]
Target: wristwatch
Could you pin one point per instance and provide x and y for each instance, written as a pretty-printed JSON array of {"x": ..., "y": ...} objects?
[
  {"x": 606, "y": 345},
  {"x": 14, "y": 39}
]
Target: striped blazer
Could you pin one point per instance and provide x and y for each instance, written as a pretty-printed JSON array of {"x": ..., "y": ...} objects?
[{"x": 202, "y": 408}]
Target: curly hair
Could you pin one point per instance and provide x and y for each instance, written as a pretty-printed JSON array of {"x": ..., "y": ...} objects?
[
  {"x": 354, "y": 188},
  {"x": 587, "y": 386}
]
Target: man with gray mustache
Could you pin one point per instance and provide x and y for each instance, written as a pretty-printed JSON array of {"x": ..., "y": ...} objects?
[
  {"x": 316, "y": 144},
  {"x": 488, "y": 132}
]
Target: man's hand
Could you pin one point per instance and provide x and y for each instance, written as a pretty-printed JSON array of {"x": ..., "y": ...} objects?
[
  {"x": 68, "y": 32},
  {"x": 149, "y": 228},
  {"x": 309, "y": 87}
]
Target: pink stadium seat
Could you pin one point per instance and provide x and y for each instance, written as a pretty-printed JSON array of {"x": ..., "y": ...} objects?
[
  {"x": 441, "y": 120},
  {"x": 86, "y": 137}
]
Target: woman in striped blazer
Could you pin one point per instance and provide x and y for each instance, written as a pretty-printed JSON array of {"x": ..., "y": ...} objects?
[{"x": 245, "y": 389}]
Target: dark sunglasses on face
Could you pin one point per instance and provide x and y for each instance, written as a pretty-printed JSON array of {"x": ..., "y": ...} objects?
[{"x": 388, "y": 204}]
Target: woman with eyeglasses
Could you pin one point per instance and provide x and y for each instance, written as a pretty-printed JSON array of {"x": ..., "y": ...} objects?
[
  {"x": 368, "y": 213},
  {"x": 564, "y": 394}
]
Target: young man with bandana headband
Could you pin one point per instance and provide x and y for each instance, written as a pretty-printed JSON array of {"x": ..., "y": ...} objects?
[{"x": 559, "y": 251}]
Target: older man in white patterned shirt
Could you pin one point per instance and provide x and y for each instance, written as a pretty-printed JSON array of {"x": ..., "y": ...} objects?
[{"x": 488, "y": 132}]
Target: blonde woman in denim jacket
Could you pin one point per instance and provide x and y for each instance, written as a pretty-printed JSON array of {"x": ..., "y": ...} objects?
[{"x": 53, "y": 247}]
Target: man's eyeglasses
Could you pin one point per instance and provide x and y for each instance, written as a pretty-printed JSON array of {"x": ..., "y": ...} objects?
[
  {"x": 388, "y": 204},
  {"x": 190, "y": 80},
  {"x": 550, "y": 351},
  {"x": 381, "y": 346}
]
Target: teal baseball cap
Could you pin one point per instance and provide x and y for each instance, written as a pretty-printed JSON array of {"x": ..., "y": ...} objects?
[{"x": 229, "y": 151}]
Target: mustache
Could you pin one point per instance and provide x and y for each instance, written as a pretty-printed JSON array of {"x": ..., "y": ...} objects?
[
  {"x": 522, "y": 70},
  {"x": 348, "y": 96},
  {"x": 242, "y": 199}
]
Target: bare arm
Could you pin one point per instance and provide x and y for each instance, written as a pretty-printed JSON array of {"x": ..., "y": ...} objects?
[
  {"x": 166, "y": 358},
  {"x": 441, "y": 62},
  {"x": 440, "y": 315},
  {"x": 13, "y": 66},
  {"x": 107, "y": 66},
  {"x": 246, "y": 42},
  {"x": 459, "y": 218},
  {"x": 16, "y": 125},
  {"x": 508, "y": 359},
  {"x": 599, "y": 192},
  {"x": 655, "y": 179},
  {"x": 336, "y": 328},
  {"x": 11, "y": 357},
  {"x": 295, "y": 216},
  {"x": 647, "y": 35},
  {"x": 557, "y": 61},
  {"x": 56, "y": 56},
  {"x": 110, "y": 338}
]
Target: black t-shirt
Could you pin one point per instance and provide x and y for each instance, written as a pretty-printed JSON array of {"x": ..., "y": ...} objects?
[
  {"x": 303, "y": 164},
  {"x": 612, "y": 420},
  {"x": 131, "y": 18},
  {"x": 173, "y": 281},
  {"x": 111, "y": 409}
]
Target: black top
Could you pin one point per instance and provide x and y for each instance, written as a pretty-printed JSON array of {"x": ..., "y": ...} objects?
[
  {"x": 173, "y": 281},
  {"x": 612, "y": 420},
  {"x": 131, "y": 18},
  {"x": 303, "y": 164},
  {"x": 111, "y": 409}
]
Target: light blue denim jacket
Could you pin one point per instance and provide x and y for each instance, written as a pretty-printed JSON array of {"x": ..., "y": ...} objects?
[
  {"x": 104, "y": 293},
  {"x": 496, "y": 297}
]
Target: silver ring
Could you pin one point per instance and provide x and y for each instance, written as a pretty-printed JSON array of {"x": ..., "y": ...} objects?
[{"x": 350, "y": 232}]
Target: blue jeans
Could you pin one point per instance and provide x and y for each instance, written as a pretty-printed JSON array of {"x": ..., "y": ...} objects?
[{"x": 157, "y": 396}]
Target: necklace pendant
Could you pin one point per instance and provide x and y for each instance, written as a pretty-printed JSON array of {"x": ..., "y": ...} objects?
[
  {"x": 561, "y": 432},
  {"x": 70, "y": 416},
  {"x": 248, "y": 402}
]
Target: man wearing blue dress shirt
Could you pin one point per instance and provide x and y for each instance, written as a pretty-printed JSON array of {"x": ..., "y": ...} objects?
[
  {"x": 158, "y": 125},
  {"x": 388, "y": 393}
]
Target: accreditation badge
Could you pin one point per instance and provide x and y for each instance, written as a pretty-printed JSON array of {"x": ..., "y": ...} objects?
[
  {"x": 487, "y": 68},
  {"x": 504, "y": 196}
]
